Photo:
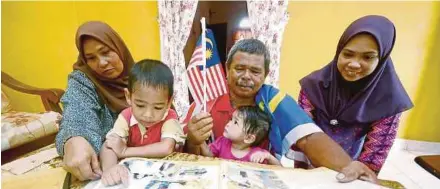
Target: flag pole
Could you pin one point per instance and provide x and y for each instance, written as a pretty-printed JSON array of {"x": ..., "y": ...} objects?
[{"x": 203, "y": 24}]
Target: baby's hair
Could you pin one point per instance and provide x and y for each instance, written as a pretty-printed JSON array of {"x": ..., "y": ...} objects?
[
  {"x": 152, "y": 73},
  {"x": 256, "y": 122}
]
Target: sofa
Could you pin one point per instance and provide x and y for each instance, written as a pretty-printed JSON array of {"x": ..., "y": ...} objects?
[{"x": 23, "y": 132}]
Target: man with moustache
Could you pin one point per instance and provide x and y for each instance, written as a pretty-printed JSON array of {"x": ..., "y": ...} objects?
[{"x": 247, "y": 67}]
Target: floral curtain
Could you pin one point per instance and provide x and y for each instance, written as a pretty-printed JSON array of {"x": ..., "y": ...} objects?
[
  {"x": 175, "y": 22},
  {"x": 268, "y": 20}
]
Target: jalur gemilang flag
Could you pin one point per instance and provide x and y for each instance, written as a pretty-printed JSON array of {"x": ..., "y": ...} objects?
[{"x": 215, "y": 81}]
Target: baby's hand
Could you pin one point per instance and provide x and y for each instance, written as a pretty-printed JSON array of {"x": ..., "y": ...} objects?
[
  {"x": 117, "y": 144},
  {"x": 259, "y": 157},
  {"x": 115, "y": 175}
]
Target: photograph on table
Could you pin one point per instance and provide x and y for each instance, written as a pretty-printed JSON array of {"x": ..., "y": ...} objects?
[
  {"x": 160, "y": 174},
  {"x": 236, "y": 176}
]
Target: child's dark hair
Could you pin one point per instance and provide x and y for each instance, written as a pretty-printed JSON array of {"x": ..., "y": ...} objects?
[
  {"x": 256, "y": 122},
  {"x": 152, "y": 73}
]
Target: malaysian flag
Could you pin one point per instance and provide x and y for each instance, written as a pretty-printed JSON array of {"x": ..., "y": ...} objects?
[{"x": 215, "y": 77}]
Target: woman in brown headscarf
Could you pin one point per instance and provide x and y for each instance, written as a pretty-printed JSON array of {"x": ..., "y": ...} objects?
[{"x": 94, "y": 97}]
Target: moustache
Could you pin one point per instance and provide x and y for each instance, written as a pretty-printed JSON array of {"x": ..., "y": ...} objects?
[{"x": 245, "y": 84}]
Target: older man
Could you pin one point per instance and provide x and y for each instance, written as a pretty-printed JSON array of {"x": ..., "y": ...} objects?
[{"x": 247, "y": 67}]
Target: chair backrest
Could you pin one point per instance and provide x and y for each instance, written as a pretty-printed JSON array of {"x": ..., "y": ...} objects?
[{"x": 50, "y": 97}]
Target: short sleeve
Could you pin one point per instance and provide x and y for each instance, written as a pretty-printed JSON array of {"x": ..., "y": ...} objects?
[
  {"x": 120, "y": 127},
  {"x": 172, "y": 129}
]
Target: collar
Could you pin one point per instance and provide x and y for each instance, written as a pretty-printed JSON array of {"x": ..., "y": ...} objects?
[{"x": 133, "y": 120}]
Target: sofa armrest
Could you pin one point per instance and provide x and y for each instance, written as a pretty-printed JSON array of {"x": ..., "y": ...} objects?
[{"x": 49, "y": 97}]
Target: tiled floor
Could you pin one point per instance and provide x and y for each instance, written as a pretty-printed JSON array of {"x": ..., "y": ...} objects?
[{"x": 400, "y": 166}]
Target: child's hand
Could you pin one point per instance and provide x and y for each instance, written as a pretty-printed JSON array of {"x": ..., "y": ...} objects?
[
  {"x": 117, "y": 144},
  {"x": 115, "y": 175},
  {"x": 259, "y": 157}
]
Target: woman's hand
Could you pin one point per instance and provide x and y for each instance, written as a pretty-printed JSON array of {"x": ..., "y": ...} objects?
[
  {"x": 356, "y": 170},
  {"x": 80, "y": 159}
]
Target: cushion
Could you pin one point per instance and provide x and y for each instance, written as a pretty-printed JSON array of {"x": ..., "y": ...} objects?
[{"x": 19, "y": 128}]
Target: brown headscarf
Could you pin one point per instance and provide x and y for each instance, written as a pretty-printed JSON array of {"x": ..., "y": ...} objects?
[{"x": 111, "y": 91}]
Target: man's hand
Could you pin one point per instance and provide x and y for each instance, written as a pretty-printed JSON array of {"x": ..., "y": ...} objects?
[
  {"x": 117, "y": 144},
  {"x": 115, "y": 175},
  {"x": 356, "y": 170},
  {"x": 80, "y": 159},
  {"x": 199, "y": 128}
]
